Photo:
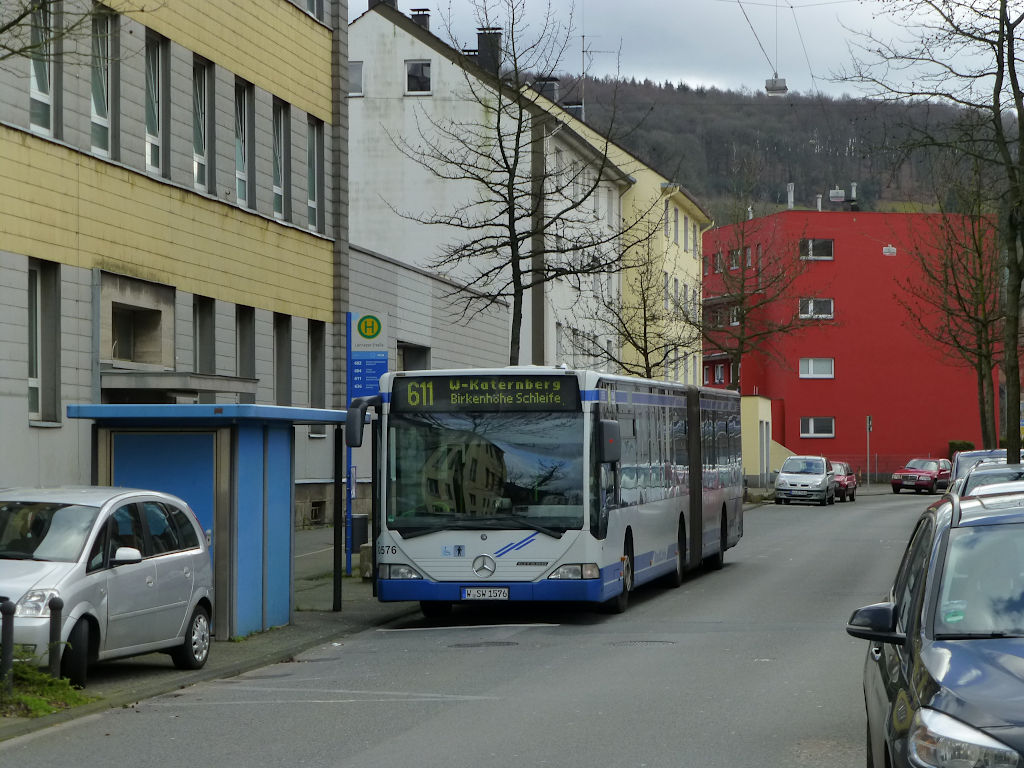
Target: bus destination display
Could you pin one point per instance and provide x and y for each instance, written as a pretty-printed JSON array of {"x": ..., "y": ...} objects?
[{"x": 485, "y": 393}]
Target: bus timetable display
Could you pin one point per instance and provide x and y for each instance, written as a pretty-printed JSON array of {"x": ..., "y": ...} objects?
[{"x": 485, "y": 393}]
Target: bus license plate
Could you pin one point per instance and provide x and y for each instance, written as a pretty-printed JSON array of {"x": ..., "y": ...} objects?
[{"x": 485, "y": 593}]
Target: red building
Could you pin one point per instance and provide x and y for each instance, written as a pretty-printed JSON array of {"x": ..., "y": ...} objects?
[{"x": 851, "y": 352}]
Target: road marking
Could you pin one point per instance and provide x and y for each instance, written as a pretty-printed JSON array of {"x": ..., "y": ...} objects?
[
  {"x": 474, "y": 626},
  {"x": 316, "y": 552}
]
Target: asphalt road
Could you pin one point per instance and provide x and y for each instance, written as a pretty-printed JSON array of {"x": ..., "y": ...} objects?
[{"x": 747, "y": 666}]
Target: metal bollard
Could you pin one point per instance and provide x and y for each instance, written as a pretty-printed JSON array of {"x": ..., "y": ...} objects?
[
  {"x": 56, "y": 607},
  {"x": 7, "y": 646}
]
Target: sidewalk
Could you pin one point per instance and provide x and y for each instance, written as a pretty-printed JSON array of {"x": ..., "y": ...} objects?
[{"x": 124, "y": 682}]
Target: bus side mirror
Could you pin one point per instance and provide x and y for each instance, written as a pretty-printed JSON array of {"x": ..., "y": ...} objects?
[
  {"x": 355, "y": 417},
  {"x": 608, "y": 434}
]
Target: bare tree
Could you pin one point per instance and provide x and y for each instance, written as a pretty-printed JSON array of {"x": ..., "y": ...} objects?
[
  {"x": 528, "y": 221},
  {"x": 954, "y": 297},
  {"x": 964, "y": 53},
  {"x": 651, "y": 323},
  {"x": 36, "y": 29}
]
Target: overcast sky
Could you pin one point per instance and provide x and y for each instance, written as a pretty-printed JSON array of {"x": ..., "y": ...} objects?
[{"x": 731, "y": 44}]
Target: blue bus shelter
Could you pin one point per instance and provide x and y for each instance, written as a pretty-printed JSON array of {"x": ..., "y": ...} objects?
[{"x": 235, "y": 466}]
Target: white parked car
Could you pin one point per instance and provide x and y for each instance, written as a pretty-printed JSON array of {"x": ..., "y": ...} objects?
[
  {"x": 806, "y": 478},
  {"x": 131, "y": 566}
]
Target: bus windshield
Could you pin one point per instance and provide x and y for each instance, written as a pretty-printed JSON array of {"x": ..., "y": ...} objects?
[{"x": 469, "y": 470}]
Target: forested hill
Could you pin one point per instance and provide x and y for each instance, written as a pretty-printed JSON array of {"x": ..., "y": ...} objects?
[{"x": 732, "y": 149}]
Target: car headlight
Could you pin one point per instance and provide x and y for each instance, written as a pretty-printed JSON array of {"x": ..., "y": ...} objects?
[
  {"x": 821, "y": 483},
  {"x": 781, "y": 484},
  {"x": 35, "y": 603},
  {"x": 895, "y": 475},
  {"x": 941, "y": 741}
]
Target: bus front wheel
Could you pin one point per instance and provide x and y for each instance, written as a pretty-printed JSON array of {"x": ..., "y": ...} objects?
[
  {"x": 618, "y": 603},
  {"x": 435, "y": 609},
  {"x": 675, "y": 578}
]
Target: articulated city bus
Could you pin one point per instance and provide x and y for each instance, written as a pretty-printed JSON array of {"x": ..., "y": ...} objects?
[{"x": 534, "y": 483}]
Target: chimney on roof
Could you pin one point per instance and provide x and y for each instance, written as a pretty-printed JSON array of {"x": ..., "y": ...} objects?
[
  {"x": 421, "y": 16},
  {"x": 818, "y": 196},
  {"x": 488, "y": 46},
  {"x": 575, "y": 109},
  {"x": 390, "y": 3},
  {"x": 789, "y": 195},
  {"x": 547, "y": 87}
]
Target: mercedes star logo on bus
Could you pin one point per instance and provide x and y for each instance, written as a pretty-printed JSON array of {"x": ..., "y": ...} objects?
[{"x": 484, "y": 566}]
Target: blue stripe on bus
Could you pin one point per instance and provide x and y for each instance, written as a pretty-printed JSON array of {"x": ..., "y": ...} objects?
[
  {"x": 599, "y": 590},
  {"x": 517, "y": 544}
]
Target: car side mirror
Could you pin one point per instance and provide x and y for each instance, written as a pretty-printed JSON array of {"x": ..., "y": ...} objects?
[
  {"x": 127, "y": 556},
  {"x": 876, "y": 622}
]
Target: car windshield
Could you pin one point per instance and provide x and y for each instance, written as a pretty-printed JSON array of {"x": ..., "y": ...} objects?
[
  {"x": 43, "y": 530},
  {"x": 989, "y": 477},
  {"x": 839, "y": 468},
  {"x": 801, "y": 466},
  {"x": 487, "y": 470},
  {"x": 925, "y": 464},
  {"x": 981, "y": 593}
]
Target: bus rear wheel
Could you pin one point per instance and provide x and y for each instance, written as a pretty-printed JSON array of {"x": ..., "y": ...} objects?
[{"x": 675, "y": 578}]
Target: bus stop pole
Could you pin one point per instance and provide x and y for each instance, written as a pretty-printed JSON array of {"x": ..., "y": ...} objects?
[
  {"x": 339, "y": 490},
  {"x": 349, "y": 494}
]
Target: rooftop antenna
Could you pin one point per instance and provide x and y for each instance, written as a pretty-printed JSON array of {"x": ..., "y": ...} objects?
[
  {"x": 584, "y": 53},
  {"x": 774, "y": 85}
]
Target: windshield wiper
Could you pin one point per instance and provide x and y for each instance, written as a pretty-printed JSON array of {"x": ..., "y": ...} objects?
[
  {"x": 16, "y": 554},
  {"x": 490, "y": 523}
]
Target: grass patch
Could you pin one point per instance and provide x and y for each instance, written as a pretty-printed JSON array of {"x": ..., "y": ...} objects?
[{"x": 35, "y": 693}]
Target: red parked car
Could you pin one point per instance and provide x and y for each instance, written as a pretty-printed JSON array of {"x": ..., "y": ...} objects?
[
  {"x": 922, "y": 475},
  {"x": 846, "y": 481}
]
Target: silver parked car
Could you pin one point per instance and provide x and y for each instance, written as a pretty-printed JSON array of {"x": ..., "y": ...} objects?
[
  {"x": 806, "y": 478},
  {"x": 131, "y": 566}
]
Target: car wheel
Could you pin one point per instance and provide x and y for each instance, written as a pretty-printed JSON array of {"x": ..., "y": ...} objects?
[
  {"x": 74, "y": 661},
  {"x": 785, "y": 501},
  {"x": 869, "y": 761},
  {"x": 435, "y": 610},
  {"x": 895, "y": 489},
  {"x": 193, "y": 653},
  {"x": 620, "y": 602},
  {"x": 778, "y": 501},
  {"x": 853, "y": 494},
  {"x": 932, "y": 489},
  {"x": 841, "y": 496}
]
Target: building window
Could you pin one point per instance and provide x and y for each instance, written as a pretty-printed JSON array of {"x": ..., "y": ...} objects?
[
  {"x": 417, "y": 77},
  {"x": 734, "y": 258},
  {"x": 243, "y": 143},
  {"x": 719, "y": 373},
  {"x": 817, "y": 426},
  {"x": 675, "y": 294},
  {"x": 355, "y": 78},
  {"x": 282, "y": 160},
  {"x": 707, "y": 374},
  {"x": 204, "y": 335},
  {"x": 665, "y": 281},
  {"x": 816, "y": 250},
  {"x": 817, "y": 308},
  {"x": 750, "y": 260},
  {"x": 316, "y": 333},
  {"x": 675, "y": 225},
  {"x": 41, "y": 59},
  {"x": 102, "y": 24},
  {"x": 156, "y": 102},
  {"x": 665, "y": 218},
  {"x": 696, "y": 242},
  {"x": 43, "y": 340},
  {"x": 202, "y": 123},
  {"x": 316, "y": 9},
  {"x": 315, "y": 173},
  {"x": 719, "y": 261},
  {"x": 734, "y": 316},
  {"x": 817, "y": 367},
  {"x": 245, "y": 347},
  {"x": 282, "y": 359}
]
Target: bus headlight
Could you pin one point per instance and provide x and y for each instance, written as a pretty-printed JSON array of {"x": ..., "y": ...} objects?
[
  {"x": 576, "y": 571},
  {"x": 398, "y": 571}
]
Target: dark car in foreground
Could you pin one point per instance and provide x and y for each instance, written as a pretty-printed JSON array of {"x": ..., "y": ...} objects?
[
  {"x": 919, "y": 475},
  {"x": 943, "y": 678},
  {"x": 846, "y": 481},
  {"x": 132, "y": 568}
]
